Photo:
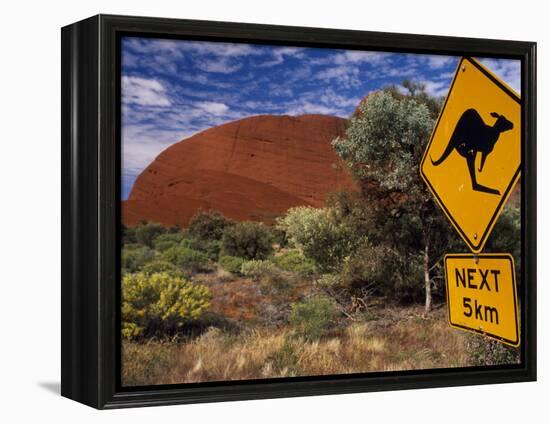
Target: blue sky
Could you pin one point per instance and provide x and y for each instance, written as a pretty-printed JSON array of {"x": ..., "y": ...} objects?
[{"x": 172, "y": 89}]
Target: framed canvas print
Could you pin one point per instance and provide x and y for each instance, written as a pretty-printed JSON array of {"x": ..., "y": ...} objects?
[{"x": 254, "y": 211}]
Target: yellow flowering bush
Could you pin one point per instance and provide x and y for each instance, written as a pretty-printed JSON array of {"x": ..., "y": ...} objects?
[{"x": 160, "y": 303}]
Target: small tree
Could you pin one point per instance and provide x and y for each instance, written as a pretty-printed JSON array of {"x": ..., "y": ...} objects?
[
  {"x": 146, "y": 232},
  {"x": 320, "y": 234},
  {"x": 247, "y": 239},
  {"x": 383, "y": 147},
  {"x": 208, "y": 225}
]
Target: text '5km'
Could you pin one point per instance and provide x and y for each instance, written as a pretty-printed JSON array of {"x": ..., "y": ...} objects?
[{"x": 481, "y": 295}]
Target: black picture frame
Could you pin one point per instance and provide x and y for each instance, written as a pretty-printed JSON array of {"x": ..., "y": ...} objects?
[{"x": 91, "y": 157}]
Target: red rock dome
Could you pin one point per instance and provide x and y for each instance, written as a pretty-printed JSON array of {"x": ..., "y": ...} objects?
[{"x": 254, "y": 168}]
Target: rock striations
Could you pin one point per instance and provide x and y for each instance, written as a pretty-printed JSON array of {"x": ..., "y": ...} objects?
[{"x": 251, "y": 169}]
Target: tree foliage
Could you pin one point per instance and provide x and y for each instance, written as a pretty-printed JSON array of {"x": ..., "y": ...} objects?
[
  {"x": 208, "y": 225},
  {"x": 386, "y": 140},
  {"x": 146, "y": 232},
  {"x": 247, "y": 239},
  {"x": 320, "y": 234},
  {"x": 383, "y": 147}
]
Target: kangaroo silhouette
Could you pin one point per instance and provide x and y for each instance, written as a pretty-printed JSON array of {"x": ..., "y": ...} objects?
[{"x": 472, "y": 136}]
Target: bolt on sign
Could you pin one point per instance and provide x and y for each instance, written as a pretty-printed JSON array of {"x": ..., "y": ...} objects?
[
  {"x": 473, "y": 159},
  {"x": 481, "y": 295}
]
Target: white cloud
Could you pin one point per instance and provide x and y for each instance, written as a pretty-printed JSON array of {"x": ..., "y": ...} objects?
[
  {"x": 348, "y": 76},
  {"x": 278, "y": 91},
  {"x": 446, "y": 75},
  {"x": 438, "y": 62},
  {"x": 142, "y": 143},
  {"x": 311, "y": 108},
  {"x": 436, "y": 88},
  {"x": 256, "y": 105},
  {"x": 144, "y": 92},
  {"x": 356, "y": 56},
  {"x": 213, "y": 107},
  {"x": 331, "y": 98},
  {"x": 220, "y": 49},
  {"x": 177, "y": 48},
  {"x": 157, "y": 46},
  {"x": 508, "y": 70},
  {"x": 279, "y": 54},
  {"x": 221, "y": 65}
]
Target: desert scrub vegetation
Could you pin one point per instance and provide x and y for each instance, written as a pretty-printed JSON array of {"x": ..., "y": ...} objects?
[
  {"x": 313, "y": 316},
  {"x": 158, "y": 266},
  {"x": 208, "y": 225},
  {"x": 147, "y": 232},
  {"x": 135, "y": 256},
  {"x": 249, "y": 240},
  {"x": 399, "y": 340},
  {"x": 165, "y": 241},
  {"x": 294, "y": 261},
  {"x": 483, "y": 351},
  {"x": 267, "y": 274},
  {"x": 320, "y": 235},
  {"x": 232, "y": 264},
  {"x": 159, "y": 304},
  {"x": 354, "y": 286},
  {"x": 186, "y": 258}
]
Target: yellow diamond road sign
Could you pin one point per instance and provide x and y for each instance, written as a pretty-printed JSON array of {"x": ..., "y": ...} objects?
[
  {"x": 473, "y": 159},
  {"x": 481, "y": 295}
]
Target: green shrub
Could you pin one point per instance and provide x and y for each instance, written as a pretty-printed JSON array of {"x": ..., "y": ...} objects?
[
  {"x": 369, "y": 265},
  {"x": 211, "y": 248},
  {"x": 384, "y": 270},
  {"x": 187, "y": 242},
  {"x": 320, "y": 234},
  {"x": 232, "y": 264},
  {"x": 165, "y": 241},
  {"x": 146, "y": 232},
  {"x": 313, "y": 316},
  {"x": 208, "y": 225},
  {"x": 187, "y": 259},
  {"x": 160, "y": 304},
  {"x": 163, "y": 246},
  {"x": 159, "y": 266},
  {"x": 295, "y": 261},
  {"x": 247, "y": 239},
  {"x": 278, "y": 236},
  {"x": 328, "y": 281},
  {"x": 128, "y": 235},
  {"x": 134, "y": 257},
  {"x": 264, "y": 272},
  {"x": 255, "y": 269}
]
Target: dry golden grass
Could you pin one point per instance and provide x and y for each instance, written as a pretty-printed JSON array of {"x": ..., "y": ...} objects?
[{"x": 400, "y": 340}]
